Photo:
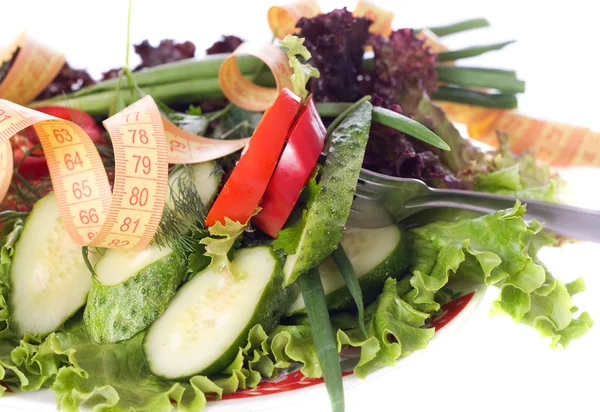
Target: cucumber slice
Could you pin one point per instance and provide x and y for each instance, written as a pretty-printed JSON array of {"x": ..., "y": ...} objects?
[
  {"x": 376, "y": 254},
  {"x": 209, "y": 318},
  {"x": 131, "y": 290},
  {"x": 49, "y": 278},
  {"x": 205, "y": 176}
]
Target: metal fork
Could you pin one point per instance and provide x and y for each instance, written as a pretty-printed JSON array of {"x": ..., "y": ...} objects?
[{"x": 382, "y": 200}]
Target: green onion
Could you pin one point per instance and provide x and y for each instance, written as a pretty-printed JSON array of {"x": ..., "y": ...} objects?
[
  {"x": 388, "y": 118},
  {"x": 325, "y": 343},
  {"x": 459, "y": 27},
  {"x": 470, "y": 51},
  {"x": 327, "y": 109},
  {"x": 467, "y": 96},
  {"x": 205, "y": 68},
  {"x": 504, "y": 81},
  {"x": 347, "y": 270},
  {"x": 408, "y": 126},
  {"x": 182, "y": 92}
]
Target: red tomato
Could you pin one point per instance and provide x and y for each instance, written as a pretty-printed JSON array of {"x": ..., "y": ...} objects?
[
  {"x": 299, "y": 158},
  {"x": 246, "y": 185},
  {"x": 34, "y": 166}
]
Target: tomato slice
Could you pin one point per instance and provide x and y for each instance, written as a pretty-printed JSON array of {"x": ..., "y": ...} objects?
[
  {"x": 297, "y": 162},
  {"x": 239, "y": 198},
  {"x": 34, "y": 167}
]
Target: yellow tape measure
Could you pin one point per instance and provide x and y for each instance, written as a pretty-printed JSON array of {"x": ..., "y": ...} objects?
[
  {"x": 242, "y": 91},
  {"x": 144, "y": 144},
  {"x": 127, "y": 218},
  {"x": 557, "y": 144},
  {"x": 283, "y": 18},
  {"x": 31, "y": 72}
]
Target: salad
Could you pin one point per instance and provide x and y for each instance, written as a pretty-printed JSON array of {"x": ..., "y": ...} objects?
[{"x": 251, "y": 267}]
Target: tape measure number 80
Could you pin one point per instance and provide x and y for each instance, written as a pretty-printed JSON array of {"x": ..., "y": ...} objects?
[{"x": 127, "y": 218}]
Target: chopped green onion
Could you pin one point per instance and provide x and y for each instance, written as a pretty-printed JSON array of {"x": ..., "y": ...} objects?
[
  {"x": 467, "y": 96},
  {"x": 470, "y": 51},
  {"x": 408, "y": 126},
  {"x": 504, "y": 81},
  {"x": 347, "y": 270},
  {"x": 325, "y": 343},
  {"x": 459, "y": 27}
]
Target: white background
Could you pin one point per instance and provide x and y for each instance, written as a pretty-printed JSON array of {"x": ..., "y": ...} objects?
[{"x": 488, "y": 364}]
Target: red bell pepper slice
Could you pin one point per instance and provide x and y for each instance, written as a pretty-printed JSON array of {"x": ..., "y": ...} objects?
[
  {"x": 34, "y": 166},
  {"x": 239, "y": 198},
  {"x": 297, "y": 162}
]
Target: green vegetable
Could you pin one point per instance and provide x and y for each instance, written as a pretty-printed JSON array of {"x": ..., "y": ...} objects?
[
  {"x": 205, "y": 178},
  {"x": 494, "y": 249},
  {"x": 346, "y": 269},
  {"x": 320, "y": 230},
  {"x": 49, "y": 279},
  {"x": 519, "y": 176},
  {"x": 210, "y": 316},
  {"x": 459, "y": 27},
  {"x": 476, "y": 98},
  {"x": 502, "y": 80},
  {"x": 131, "y": 290},
  {"x": 206, "y": 67},
  {"x": 408, "y": 126},
  {"x": 375, "y": 255},
  {"x": 115, "y": 377},
  {"x": 462, "y": 152},
  {"x": 218, "y": 245},
  {"x": 470, "y": 51},
  {"x": 394, "y": 329},
  {"x": 320, "y": 326},
  {"x": 179, "y": 92},
  {"x": 302, "y": 71}
]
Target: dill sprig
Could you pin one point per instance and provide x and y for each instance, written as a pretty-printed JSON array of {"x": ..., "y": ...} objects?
[{"x": 183, "y": 216}]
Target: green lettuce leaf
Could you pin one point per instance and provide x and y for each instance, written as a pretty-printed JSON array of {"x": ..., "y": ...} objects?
[
  {"x": 114, "y": 377},
  {"x": 302, "y": 71},
  {"x": 519, "y": 176},
  {"x": 222, "y": 238},
  {"x": 394, "y": 329},
  {"x": 497, "y": 249}
]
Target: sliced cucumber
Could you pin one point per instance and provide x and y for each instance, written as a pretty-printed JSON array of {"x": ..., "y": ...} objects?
[
  {"x": 210, "y": 316},
  {"x": 49, "y": 278},
  {"x": 205, "y": 176},
  {"x": 327, "y": 215},
  {"x": 376, "y": 254},
  {"x": 131, "y": 290}
]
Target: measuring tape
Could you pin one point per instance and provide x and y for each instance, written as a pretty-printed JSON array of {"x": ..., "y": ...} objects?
[
  {"x": 127, "y": 218},
  {"x": 382, "y": 18},
  {"x": 31, "y": 72},
  {"x": 144, "y": 144},
  {"x": 282, "y": 19},
  {"x": 242, "y": 91},
  {"x": 555, "y": 143}
]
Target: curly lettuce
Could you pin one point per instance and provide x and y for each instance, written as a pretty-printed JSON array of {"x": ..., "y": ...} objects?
[
  {"x": 114, "y": 377},
  {"x": 496, "y": 249},
  {"x": 394, "y": 329}
]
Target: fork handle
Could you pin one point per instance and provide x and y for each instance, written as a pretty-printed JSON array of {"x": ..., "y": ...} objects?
[{"x": 574, "y": 222}]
